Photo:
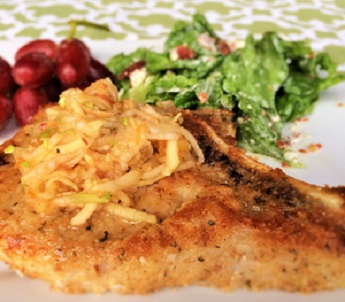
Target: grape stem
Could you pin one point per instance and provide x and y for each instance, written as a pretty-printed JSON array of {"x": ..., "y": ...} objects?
[{"x": 74, "y": 23}]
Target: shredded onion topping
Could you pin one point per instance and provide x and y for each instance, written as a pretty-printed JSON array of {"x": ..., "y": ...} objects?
[{"x": 92, "y": 149}]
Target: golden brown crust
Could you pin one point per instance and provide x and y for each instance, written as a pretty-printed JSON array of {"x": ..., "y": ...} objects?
[{"x": 232, "y": 223}]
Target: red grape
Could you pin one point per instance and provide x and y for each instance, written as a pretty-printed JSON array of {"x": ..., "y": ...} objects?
[
  {"x": 27, "y": 101},
  {"x": 33, "y": 69},
  {"x": 5, "y": 110},
  {"x": 45, "y": 46},
  {"x": 81, "y": 85},
  {"x": 98, "y": 71},
  {"x": 53, "y": 90},
  {"x": 6, "y": 79},
  {"x": 73, "y": 62},
  {"x": 42, "y": 70}
]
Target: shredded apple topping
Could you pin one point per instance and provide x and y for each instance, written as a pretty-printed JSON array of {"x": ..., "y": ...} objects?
[{"x": 93, "y": 148}]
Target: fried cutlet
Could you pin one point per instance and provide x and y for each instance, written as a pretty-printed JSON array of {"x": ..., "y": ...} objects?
[{"x": 231, "y": 223}]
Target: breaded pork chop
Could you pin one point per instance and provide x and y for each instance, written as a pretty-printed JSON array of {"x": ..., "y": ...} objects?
[{"x": 230, "y": 223}]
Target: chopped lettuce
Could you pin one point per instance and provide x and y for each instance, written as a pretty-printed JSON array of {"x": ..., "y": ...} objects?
[{"x": 268, "y": 82}]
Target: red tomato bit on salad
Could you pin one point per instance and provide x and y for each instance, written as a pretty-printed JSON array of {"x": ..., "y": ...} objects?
[{"x": 314, "y": 147}]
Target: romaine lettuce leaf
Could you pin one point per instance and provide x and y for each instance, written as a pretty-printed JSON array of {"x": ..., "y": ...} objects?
[
  {"x": 196, "y": 68},
  {"x": 187, "y": 33},
  {"x": 310, "y": 74},
  {"x": 253, "y": 76},
  {"x": 120, "y": 62},
  {"x": 187, "y": 92},
  {"x": 139, "y": 93}
]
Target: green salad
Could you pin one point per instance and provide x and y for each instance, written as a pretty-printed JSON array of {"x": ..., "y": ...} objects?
[{"x": 267, "y": 82}]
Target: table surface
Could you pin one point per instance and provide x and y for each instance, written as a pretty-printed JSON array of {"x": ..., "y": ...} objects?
[{"x": 322, "y": 22}]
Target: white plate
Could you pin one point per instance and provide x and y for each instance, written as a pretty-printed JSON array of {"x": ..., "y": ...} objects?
[{"x": 325, "y": 126}]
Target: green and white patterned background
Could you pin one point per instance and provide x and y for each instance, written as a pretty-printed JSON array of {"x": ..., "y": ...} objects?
[{"x": 322, "y": 22}]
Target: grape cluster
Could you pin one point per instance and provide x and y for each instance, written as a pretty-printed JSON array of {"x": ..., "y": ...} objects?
[{"x": 41, "y": 71}]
